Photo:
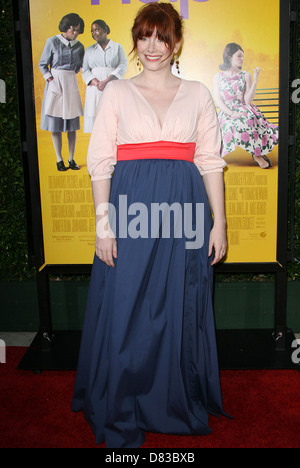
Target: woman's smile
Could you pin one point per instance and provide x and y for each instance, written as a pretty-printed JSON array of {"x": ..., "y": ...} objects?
[{"x": 153, "y": 58}]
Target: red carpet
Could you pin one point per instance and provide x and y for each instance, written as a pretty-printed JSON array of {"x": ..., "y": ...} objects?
[{"x": 35, "y": 411}]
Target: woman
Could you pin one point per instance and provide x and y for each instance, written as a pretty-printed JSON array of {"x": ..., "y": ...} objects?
[
  {"x": 148, "y": 359},
  {"x": 61, "y": 60},
  {"x": 242, "y": 123},
  {"x": 103, "y": 62}
]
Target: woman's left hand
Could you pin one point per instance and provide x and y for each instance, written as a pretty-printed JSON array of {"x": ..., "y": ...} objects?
[{"x": 218, "y": 243}]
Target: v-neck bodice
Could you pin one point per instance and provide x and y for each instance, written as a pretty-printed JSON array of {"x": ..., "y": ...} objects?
[
  {"x": 161, "y": 124},
  {"x": 125, "y": 117}
]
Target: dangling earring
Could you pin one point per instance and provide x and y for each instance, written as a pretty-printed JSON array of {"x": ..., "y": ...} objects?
[
  {"x": 177, "y": 63},
  {"x": 139, "y": 64}
]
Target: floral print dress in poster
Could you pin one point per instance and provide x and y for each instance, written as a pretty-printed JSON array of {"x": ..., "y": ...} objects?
[{"x": 252, "y": 131}]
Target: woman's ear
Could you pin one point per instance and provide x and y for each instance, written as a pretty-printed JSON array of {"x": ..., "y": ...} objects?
[{"x": 177, "y": 47}]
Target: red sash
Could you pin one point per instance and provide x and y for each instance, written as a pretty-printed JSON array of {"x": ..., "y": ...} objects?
[{"x": 157, "y": 150}]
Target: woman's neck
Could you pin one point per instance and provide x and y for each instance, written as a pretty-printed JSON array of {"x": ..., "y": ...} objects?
[
  {"x": 104, "y": 43},
  {"x": 159, "y": 79},
  {"x": 233, "y": 71}
]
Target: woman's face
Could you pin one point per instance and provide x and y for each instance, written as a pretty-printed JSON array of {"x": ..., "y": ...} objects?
[
  {"x": 154, "y": 53},
  {"x": 72, "y": 33},
  {"x": 237, "y": 60},
  {"x": 98, "y": 34}
]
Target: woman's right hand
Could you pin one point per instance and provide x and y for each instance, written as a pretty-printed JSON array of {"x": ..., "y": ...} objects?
[
  {"x": 106, "y": 249},
  {"x": 94, "y": 82}
]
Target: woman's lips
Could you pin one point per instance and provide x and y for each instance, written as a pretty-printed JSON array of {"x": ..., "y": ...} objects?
[{"x": 152, "y": 58}]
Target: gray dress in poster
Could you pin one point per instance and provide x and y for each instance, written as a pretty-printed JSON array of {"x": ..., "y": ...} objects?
[{"x": 60, "y": 62}]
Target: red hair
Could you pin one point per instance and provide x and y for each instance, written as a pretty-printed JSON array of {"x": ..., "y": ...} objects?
[{"x": 160, "y": 16}]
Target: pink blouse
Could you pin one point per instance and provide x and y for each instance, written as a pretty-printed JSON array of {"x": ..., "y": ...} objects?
[{"x": 124, "y": 116}]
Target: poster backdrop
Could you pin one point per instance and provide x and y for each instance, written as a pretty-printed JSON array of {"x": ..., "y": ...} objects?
[{"x": 251, "y": 192}]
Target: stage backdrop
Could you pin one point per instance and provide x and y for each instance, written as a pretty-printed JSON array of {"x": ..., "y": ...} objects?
[{"x": 251, "y": 193}]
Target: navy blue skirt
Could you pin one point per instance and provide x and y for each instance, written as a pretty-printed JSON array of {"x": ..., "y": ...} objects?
[{"x": 148, "y": 358}]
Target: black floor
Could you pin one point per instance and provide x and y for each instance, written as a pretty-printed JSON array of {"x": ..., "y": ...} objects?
[{"x": 237, "y": 349}]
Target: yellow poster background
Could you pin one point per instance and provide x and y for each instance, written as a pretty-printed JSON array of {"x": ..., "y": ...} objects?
[{"x": 251, "y": 193}]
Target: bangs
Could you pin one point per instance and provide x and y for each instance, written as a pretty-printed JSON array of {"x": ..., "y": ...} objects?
[
  {"x": 160, "y": 18},
  {"x": 162, "y": 28}
]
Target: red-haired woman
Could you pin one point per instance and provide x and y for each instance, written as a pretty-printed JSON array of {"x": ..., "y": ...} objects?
[{"x": 148, "y": 359}]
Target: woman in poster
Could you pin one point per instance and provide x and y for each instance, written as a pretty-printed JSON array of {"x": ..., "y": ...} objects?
[
  {"x": 61, "y": 60},
  {"x": 242, "y": 123},
  {"x": 103, "y": 62},
  {"x": 148, "y": 358}
]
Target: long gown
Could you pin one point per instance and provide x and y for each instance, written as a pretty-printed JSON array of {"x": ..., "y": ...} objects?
[
  {"x": 148, "y": 358},
  {"x": 252, "y": 131}
]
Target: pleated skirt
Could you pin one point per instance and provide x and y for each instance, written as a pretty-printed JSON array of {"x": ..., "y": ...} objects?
[{"x": 148, "y": 357}]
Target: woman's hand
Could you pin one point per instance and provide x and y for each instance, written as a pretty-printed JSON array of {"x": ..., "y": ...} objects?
[
  {"x": 101, "y": 85},
  {"x": 218, "y": 242},
  {"x": 106, "y": 249},
  {"x": 50, "y": 79},
  {"x": 94, "y": 82},
  {"x": 256, "y": 73}
]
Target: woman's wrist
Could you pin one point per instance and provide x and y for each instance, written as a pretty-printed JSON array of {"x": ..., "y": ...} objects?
[{"x": 220, "y": 221}]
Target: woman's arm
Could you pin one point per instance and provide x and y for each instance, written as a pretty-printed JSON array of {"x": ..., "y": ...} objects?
[
  {"x": 46, "y": 60},
  {"x": 120, "y": 71},
  {"x": 251, "y": 86},
  {"x": 210, "y": 165},
  {"x": 87, "y": 74},
  {"x": 218, "y": 98},
  {"x": 101, "y": 159},
  {"x": 105, "y": 245},
  {"x": 214, "y": 185}
]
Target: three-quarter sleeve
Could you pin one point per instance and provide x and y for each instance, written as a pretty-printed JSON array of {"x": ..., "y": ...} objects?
[
  {"x": 102, "y": 151},
  {"x": 208, "y": 144}
]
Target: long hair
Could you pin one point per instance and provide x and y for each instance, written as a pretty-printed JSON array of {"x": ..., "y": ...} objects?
[{"x": 229, "y": 51}]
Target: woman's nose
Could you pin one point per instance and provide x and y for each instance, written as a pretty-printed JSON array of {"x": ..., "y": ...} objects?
[{"x": 151, "y": 44}]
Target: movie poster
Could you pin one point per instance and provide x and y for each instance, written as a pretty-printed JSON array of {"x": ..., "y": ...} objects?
[{"x": 251, "y": 191}]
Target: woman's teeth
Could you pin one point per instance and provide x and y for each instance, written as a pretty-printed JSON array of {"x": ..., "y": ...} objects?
[{"x": 153, "y": 59}]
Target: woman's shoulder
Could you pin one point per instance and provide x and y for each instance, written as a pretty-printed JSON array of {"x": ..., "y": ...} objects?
[
  {"x": 79, "y": 44},
  {"x": 117, "y": 86},
  {"x": 90, "y": 48},
  {"x": 120, "y": 84},
  {"x": 193, "y": 86},
  {"x": 52, "y": 39}
]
